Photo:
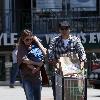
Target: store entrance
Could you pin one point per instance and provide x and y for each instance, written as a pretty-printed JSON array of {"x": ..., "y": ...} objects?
[
  {"x": 2, "y": 68},
  {"x": 21, "y": 15}
]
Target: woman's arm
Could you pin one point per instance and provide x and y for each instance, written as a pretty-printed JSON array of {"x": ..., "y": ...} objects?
[
  {"x": 30, "y": 62},
  {"x": 34, "y": 66},
  {"x": 44, "y": 50}
]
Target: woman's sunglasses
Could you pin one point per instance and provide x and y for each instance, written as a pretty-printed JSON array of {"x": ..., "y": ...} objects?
[{"x": 27, "y": 40}]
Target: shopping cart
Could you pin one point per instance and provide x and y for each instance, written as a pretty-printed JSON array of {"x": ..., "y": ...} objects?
[{"x": 70, "y": 87}]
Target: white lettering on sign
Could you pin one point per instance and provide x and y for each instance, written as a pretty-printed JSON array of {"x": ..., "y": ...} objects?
[
  {"x": 8, "y": 40},
  {"x": 93, "y": 38},
  {"x": 5, "y": 38},
  {"x": 98, "y": 37},
  {"x": 1, "y": 38},
  {"x": 13, "y": 39},
  {"x": 85, "y": 37}
]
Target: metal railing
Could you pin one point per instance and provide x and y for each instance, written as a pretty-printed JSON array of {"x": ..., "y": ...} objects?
[
  {"x": 46, "y": 21},
  {"x": 78, "y": 24}
]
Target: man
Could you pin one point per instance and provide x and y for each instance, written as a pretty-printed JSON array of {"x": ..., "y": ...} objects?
[
  {"x": 14, "y": 68},
  {"x": 63, "y": 44}
]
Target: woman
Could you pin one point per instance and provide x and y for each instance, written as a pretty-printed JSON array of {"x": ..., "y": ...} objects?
[{"x": 31, "y": 82}]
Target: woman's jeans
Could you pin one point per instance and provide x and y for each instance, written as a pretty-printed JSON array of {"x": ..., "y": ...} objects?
[{"x": 32, "y": 90}]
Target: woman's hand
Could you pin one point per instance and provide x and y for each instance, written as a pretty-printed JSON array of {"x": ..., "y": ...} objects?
[
  {"x": 26, "y": 61},
  {"x": 35, "y": 70}
]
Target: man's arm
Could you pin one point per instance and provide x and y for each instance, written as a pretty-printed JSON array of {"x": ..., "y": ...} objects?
[
  {"x": 81, "y": 52},
  {"x": 51, "y": 53},
  {"x": 51, "y": 50}
]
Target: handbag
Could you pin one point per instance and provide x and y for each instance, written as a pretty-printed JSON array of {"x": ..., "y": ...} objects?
[{"x": 69, "y": 64}]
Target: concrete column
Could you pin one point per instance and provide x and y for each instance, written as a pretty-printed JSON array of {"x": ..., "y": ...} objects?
[{"x": 7, "y": 15}]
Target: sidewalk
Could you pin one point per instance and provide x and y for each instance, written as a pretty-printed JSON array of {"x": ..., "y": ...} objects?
[{"x": 17, "y": 93}]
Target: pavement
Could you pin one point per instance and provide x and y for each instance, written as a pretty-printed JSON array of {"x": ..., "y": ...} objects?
[{"x": 17, "y": 93}]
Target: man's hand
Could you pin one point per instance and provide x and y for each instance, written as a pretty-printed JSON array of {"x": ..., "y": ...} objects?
[
  {"x": 53, "y": 62},
  {"x": 82, "y": 65}
]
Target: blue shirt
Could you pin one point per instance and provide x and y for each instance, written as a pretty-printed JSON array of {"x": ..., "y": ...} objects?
[{"x": 35, "y": 53}]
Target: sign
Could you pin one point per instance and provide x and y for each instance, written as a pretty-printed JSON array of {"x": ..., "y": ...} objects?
[
  {"x": 8, "y": 39},
  {"x": 44, "y": 4},
  {"x": 85, "y": 37},
  {"x": 84, "y": 5},
  {"x": 89, "y": 40}
]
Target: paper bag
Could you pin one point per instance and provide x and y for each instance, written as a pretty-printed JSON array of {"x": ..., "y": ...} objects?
[{"x": 70, "y": 64}]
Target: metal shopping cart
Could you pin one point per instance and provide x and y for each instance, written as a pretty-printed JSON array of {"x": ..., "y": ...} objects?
[
  {"x": 70, "y": 80},
  {"x": 70, "y": 87}
]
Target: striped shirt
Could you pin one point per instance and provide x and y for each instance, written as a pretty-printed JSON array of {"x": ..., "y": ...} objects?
[{"x": 74, "y": 45}]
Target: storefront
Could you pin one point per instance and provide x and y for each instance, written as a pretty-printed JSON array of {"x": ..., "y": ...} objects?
[{"x": 6, "y": 45}]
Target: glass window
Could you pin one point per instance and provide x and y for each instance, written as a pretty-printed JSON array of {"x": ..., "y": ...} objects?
[{"x": 1, "y": 15}]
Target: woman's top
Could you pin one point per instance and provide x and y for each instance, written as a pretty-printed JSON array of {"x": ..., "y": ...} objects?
[{"x": 26, "y": 70}]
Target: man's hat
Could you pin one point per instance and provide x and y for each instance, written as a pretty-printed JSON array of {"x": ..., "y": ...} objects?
[{"x": 64, "y": 24}]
